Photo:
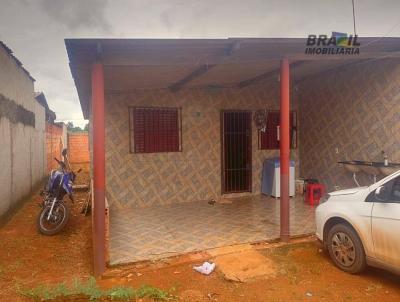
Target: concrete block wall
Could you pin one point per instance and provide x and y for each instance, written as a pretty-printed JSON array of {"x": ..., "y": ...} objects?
[
  {"x": 22, "y": 160},
  {"x": 22, "y": 152},
  {"x": 5, "y": 172},
  {"x": 15, "y": 83}
]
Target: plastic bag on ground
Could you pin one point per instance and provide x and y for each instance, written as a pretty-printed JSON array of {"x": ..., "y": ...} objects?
[{"x": 206, "y": 268}]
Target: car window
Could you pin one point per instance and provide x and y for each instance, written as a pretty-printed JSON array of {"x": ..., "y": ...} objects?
[
  {"x": 395, "y": 192},
  {"x": 388, "y": 193}
]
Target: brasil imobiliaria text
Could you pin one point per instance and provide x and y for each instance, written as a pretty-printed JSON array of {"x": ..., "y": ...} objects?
[{"x": 334, "y": 45}]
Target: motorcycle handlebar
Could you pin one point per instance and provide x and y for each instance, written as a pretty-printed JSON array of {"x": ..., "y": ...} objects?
[{"x": 62, "y": 165}]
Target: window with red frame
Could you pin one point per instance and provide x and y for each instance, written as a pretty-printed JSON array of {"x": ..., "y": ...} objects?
[
  {"x": 154, "y": 129},
  {"x": 268, "y": 139}
]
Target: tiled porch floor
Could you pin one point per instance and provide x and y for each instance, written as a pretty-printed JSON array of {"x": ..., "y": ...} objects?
[{"x": 150, "y": 233}]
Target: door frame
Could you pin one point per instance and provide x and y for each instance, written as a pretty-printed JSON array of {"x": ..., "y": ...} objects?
[{"x": 250, "y": 155}]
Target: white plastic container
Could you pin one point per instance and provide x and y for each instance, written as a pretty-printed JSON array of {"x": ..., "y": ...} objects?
[{"x": 271, "y": 178}]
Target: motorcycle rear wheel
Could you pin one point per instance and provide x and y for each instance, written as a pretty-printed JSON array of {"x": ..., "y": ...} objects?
[{"x": 57, "y": 221}]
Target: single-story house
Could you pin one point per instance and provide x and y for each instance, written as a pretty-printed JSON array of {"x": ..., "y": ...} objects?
[{"x": 177, "y": 125}]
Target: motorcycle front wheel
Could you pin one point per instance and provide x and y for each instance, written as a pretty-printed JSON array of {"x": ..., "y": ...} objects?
[{"x": 58, "y": 219}]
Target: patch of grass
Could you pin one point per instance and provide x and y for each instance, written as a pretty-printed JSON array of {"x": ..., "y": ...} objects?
[
  {"x": 121, "y": 293},
  {"x": 91, "y": 290},
  {"x": 153, "y": 292},
  {"x": 43, "y": 293}
]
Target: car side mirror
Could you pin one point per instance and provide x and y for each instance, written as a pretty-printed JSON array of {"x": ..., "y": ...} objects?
[{"x": 381, "y": 193}]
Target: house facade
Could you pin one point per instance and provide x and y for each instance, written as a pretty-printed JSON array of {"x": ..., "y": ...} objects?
[
  {"x": 192, "y": 173},
  {"x": 341, "y": 103},
  {"x": 174, "y": 121}
]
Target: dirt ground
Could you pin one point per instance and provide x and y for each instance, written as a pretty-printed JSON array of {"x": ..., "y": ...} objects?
[
  {"x": 28, "y": 259},
  {"x": 301, "y": 271}
]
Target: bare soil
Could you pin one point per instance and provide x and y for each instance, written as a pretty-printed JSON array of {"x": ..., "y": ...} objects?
[
  {"x": 301, "y": 272},
  {"x": 29, "y": 259},
  {"x": 245, "y": 265}
]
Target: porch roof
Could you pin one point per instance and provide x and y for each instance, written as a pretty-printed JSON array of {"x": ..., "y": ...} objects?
[{"x": 187, "y": 63}]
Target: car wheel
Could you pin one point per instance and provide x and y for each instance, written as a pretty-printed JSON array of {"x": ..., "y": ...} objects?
[{"x": 346, "y": 249}]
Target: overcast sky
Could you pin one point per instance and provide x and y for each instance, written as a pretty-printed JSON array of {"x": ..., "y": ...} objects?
[{"x": 35, "y": 29}]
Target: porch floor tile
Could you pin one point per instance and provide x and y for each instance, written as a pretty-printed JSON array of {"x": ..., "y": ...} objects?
[{"x": 152, "y": 233}]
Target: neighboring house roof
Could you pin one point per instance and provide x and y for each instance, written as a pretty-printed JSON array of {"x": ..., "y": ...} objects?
[
  {"x": 131, "y": 64},
  {"x": 18, "y": 62},
  {"x": 41, "y": 99}
]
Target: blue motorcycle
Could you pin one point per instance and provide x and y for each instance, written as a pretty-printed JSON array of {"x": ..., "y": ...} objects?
[{"x": 54, "y": 215}]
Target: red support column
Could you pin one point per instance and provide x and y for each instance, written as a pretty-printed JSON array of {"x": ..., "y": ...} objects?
[
  {"x": 98, "y": 168},
  {"x": 284, "y": 149}
]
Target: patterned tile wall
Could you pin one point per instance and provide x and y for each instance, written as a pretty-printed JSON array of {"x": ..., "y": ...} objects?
[
  {"x": 356, "y": 110},
  {"x": 142, "y": 180}
]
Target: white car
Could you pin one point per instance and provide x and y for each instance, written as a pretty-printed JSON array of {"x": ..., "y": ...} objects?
[{"x": 361, "y": 226}]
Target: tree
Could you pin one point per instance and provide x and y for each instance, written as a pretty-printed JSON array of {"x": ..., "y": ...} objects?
[{"x": 72, "y": 128}]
